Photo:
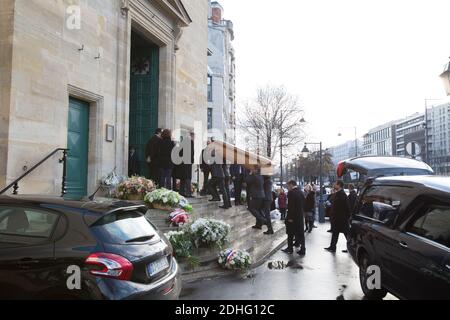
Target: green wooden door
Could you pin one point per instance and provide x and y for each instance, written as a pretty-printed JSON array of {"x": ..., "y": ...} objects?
[
  {"x": 77, "y": 143},
  {"x": 144, "y": 87}
]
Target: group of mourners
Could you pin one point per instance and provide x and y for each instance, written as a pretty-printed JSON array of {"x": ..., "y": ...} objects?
[
  {"x": 297, "y": 208},
  {"x": 162, "y": 169}
]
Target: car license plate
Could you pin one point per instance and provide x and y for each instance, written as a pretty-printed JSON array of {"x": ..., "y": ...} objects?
[{"x": 156, "y": 267}]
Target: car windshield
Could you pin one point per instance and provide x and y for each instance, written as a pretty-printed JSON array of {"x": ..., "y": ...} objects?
[{"x": 125, "y": 227}]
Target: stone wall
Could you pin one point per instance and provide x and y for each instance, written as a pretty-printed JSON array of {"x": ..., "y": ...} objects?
[
  {"x": 52, "y": 62},
  {"x": 6, "y": 40},
  {"x": 192, "y": 60}
]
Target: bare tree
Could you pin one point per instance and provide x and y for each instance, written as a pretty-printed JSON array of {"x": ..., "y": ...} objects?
[{"x": 273, "y": 120}]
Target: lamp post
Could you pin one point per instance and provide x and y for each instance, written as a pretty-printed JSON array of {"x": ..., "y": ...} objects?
[{"x": 305, "y": 154}]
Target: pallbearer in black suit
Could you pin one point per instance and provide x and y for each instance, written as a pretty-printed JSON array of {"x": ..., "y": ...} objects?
[
  {"x": 268, "y": 203},
  {"x": 294, "y": 220},
  {"x": 255, "y": 189},
  {"x": 237, "y": 174}
]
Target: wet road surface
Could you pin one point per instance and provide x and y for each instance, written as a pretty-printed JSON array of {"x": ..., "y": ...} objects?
[{"x": 319, "y": 275}]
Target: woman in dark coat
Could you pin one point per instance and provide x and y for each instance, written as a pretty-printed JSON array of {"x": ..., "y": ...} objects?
[
  {"x": 310, "y": 205},
  {"x": 164, "y": 158},
  {"x": 294, "y": 219}
]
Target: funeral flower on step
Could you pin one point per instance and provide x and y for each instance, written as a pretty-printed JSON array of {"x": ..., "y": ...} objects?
[
  {"x": 167, "y": 198},
  {"x": 134, "y": 188},
  {"x": 235, "y": 259},
  {"x": 183, "y": 247},
  {"x": 178, "y": 217},
  {"x": 210, "y": 232}
]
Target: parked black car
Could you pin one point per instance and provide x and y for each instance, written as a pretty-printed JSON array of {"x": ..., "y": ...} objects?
[
  {"x": 402, "y": 225},
  {"x": 119, "y": 253},
  {"x": 358, "y": 170}
]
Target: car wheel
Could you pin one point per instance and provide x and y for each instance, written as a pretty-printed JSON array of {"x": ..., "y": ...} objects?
[{"x": 370, "y": 294}]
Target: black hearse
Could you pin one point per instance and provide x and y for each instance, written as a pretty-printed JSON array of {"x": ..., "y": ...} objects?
[
  {"x": 402, "y": 226},
  {"x": 358, "y": 170}
]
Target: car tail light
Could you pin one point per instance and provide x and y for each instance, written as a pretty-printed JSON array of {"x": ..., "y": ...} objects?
[{"x": 109, "y": 265}]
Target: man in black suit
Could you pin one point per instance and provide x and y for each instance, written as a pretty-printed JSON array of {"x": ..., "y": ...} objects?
[
  {"x": 255, "y": 190},
  {"x": 206, "y": 169},
  {"x": 186, "y": 171},
  {"x": 341, "y": 216},
  {"x": 295, "y": 225},
  {"x": 218, "y": 181},
  {"x": 268, "y": 199},
  {"x": 151, "y": 152},
  {"x": 237, "y": 174}
]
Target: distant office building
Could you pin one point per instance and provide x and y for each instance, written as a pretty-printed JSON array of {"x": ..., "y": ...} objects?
[
  {"x": 346, "y": 150},
  {"x": 221, "y": 76},
  {"x": 380, "y": 141},
  {"x": 410, "y": 137},
  {"x": 438, "y": 136}
]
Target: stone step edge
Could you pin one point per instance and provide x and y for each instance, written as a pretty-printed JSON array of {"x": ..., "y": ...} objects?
[{"x": 218, "y": 272}]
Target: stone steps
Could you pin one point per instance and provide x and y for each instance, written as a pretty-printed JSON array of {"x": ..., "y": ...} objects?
[{"x": 242, "y": 236}]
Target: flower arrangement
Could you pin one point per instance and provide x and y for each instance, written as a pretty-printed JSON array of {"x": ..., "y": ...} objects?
[
  {"x": 183, "y": 246},
  {"x": 235, "y": 259},
  {"x": 209, "y": 232},
  {"x": 134, "y": 188},
  {"x": 167, "y": 199},
  {"x": 178, "y": 217}
]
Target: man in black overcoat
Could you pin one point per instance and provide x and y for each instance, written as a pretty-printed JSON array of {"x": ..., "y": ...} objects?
[
  {"x": 255, "y": 190},
  {"x": 341, "y": 216},
  {"x": 295, "y": 225}
]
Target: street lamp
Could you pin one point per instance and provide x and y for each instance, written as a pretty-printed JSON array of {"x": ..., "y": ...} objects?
[{"x": 305, "y": 154}]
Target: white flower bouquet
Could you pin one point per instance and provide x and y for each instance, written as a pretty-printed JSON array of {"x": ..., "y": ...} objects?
[
  {"x": 134, "y": 188},
  {"x": 167, "y": 200},
  {"x": 235, "y": 259},
  {"x": 209, "y": 232}
]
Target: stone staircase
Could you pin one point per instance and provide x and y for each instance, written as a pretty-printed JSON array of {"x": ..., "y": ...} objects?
[{"x": 242, "y": 236}]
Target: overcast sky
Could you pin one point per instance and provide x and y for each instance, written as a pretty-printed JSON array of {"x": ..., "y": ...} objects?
[{"x": 353, "y": 62}]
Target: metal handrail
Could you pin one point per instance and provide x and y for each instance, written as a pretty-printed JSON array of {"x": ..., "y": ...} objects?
[{"x": 15, "y": 183}]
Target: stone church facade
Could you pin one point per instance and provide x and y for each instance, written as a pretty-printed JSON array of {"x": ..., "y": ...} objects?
[{"x": 96, "y": 77}]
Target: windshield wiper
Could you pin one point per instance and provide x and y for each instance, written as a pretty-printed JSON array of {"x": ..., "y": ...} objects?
[{"x": 141, "y": 239}]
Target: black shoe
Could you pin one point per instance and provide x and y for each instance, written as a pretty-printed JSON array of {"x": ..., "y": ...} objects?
[
  {"x": 257, "y": 227},
  {"x": 314, "y": 226},
  {"x": 330, "y": 231},
  {"x": 269, "y": 232},
  {"x": 214, "y": 200},
  {"x": 287, "y": 251},
  {"x": 344, "y": 251},
  {"x": 224, "y": 207},
  {"x": 333, "y": 250},
  {"x": 301, "y": 252}
]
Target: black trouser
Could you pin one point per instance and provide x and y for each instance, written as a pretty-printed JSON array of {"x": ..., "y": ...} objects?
[
  {"x": 185, "y": 187},
  {"x": 299, "y": 240},
  {"x": 283, "y": 213},
  {"x": 205, "y": 188},
  {"x": 227, "y": 181},
  {"x": 155, "y": 173},
  {"x": 237, "y": 190},
  {"x": 309, "y": 221},
  {"x": 335, "y": 238},
  {"x": 219, "y": 183},
  {"x": 266, "y": 209},
  {"x": 255, "y": 209}
]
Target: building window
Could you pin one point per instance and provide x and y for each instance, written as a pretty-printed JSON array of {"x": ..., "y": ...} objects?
[
  {"x": 210, "y": 118},
  {"x": 210, "y": 93}
]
